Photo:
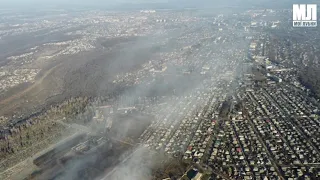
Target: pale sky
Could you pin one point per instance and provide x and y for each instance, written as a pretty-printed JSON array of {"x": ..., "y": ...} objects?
[{"x": 174, "y": 3}]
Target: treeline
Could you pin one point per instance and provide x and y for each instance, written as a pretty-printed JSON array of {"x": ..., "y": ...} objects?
[
  {"x": 24, "y": 139},
  {"x": 310, "y": 78}
]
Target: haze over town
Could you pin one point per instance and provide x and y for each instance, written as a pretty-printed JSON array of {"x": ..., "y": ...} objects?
[{"x": 160, "y": 89}]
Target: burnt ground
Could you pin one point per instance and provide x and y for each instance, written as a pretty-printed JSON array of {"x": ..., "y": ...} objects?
[{"x": 63, "y": 163}]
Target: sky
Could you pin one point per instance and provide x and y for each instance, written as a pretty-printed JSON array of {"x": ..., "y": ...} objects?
[{"x": 153, "y": 3}]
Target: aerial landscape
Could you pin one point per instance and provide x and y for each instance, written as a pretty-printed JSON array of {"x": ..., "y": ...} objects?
[{"x": 161, "y": 90}]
